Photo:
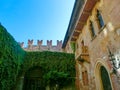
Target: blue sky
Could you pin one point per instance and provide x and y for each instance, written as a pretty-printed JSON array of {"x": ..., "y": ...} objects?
[{"x": 36, "y": 19}]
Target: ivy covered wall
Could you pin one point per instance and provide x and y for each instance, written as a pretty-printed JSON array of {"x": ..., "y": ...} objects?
[
  {"x": 11, "y": 59},
  {"x": 57, "y": 67}
]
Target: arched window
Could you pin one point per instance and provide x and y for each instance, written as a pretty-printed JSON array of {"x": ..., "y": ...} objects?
[
  {"x": 92, "y": 31},
  {"x": 100, "y": 19}
]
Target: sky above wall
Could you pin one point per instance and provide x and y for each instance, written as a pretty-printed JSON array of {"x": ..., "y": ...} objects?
[{"x": 36, "y": 19}]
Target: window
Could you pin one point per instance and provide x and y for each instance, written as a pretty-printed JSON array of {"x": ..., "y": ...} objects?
[
  {"x": 92, "y": 31},
  {"x": 100, "y": 19},
  {"x": 85, "y": 78}
]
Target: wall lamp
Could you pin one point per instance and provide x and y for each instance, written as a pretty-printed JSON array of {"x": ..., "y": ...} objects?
[{"x": 115, "y": 62}]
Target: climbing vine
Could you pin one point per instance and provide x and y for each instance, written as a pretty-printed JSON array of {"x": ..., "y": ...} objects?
[
  {"x": 72, "y": 44},
  {"x": 11, "y": 59},
  {"x": 59, "y": 68}
]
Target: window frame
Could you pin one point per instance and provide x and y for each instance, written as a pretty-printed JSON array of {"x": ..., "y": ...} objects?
[
  {"x": 91, "y": 29},
  {"x": 100, "y": 20}
]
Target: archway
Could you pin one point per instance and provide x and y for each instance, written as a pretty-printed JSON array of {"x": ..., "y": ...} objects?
[
  {"x": 33, "y": 79},
  {"x": 102, "y": 77},
  {"x": 105, "y": 79}
]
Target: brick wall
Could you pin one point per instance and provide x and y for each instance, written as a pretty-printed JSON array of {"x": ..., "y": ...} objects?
[{"x": 107, "y": 36}]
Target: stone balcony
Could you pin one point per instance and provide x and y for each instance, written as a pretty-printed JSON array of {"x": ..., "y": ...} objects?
[{"x": 82, "y": 54}]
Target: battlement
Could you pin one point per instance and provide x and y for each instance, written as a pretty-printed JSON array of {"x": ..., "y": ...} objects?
[{"x": 40, "y": 47}]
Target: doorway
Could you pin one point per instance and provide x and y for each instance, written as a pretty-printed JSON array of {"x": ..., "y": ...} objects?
[
  {"x": 33, "y": 79},
  {"x": 105, "y": 79}
]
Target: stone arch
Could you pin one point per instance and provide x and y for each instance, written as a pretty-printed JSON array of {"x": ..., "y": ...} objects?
[
  {"x": 33, "y": 79},
  {"x": 99, "y": 68}
]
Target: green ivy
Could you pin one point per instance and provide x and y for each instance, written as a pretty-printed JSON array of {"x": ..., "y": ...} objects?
[
  {"x": 54, "y": 77},
  {"x": 11, "y": 57},
  {"x": 73, "y": 46},
  {"x": 58, "y": 67}
]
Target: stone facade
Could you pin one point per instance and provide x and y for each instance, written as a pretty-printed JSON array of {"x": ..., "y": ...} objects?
[
  {"x": 93, "y": 50},
  {"x": 40, "y": 47}
]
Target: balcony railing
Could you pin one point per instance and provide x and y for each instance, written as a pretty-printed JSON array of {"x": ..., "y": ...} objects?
[{"x": 82, "y": 53}]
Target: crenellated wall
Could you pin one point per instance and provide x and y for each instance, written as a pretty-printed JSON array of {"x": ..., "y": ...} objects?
[{"x": 40, "y": 47}]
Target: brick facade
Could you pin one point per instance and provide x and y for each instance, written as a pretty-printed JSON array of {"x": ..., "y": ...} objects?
[{"x": 92, "y": 52}]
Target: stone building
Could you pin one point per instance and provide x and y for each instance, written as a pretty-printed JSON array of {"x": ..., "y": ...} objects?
[{"x": 94, "y": 29}]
